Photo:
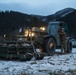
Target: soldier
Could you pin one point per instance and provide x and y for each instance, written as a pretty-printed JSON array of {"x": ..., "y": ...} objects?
[{"x": 62, "y": 35}]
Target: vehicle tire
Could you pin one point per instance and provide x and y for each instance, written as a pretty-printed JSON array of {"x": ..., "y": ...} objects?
[
  {"x": 69, "y": 46},
  {"x": 49, "y": 46}
]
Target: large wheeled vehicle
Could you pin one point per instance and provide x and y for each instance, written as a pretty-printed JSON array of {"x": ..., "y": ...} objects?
[
  {"x": 47, "y": 38},
  {"x": 35, "y": 42}
]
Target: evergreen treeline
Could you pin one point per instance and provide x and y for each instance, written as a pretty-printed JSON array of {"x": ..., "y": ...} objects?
[{"x": 11, "y": 20}]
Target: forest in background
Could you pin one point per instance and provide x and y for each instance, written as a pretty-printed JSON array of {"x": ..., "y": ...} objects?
[{"x": 11, "y": 21}]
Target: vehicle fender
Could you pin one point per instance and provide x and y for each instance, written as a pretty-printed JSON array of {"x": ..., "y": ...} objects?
[
  {"x": 49, "y": 36},
  {"x": 68, "y": 38}
]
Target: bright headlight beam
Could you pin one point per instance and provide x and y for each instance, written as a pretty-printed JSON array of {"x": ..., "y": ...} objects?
[{"x": 42, "y": 28}]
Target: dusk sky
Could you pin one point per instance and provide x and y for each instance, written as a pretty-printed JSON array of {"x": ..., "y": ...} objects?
[{"x": 37, "y": 7}]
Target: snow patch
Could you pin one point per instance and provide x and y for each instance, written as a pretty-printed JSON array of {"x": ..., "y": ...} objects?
[
  {"x": 50, "y": 64},
  {"x": 66, "y": 14}
]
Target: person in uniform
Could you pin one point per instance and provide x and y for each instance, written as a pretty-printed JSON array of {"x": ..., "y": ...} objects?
[{"x": 62, "y": 36}]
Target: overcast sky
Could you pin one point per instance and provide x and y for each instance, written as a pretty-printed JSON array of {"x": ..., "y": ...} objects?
[{"x": 37, "y": 7}]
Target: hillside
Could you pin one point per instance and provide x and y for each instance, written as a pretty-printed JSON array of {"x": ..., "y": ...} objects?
[
  {"x": 67, "y": 15},
  {"x": 70, "y": 19},
  {"x": 10, "y": 21},
  {"x": 59, "y": 14}
]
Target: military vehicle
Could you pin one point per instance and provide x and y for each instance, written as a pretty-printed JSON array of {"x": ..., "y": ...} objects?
[{"x": 35, "y": 42}]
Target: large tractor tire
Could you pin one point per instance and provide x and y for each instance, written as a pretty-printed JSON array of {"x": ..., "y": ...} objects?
[
  {"x": 49, "y": 46},
  {"x": 69, "y": 46}
]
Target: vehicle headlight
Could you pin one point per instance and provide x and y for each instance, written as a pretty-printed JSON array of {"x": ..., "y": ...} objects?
[
  {"x": 26, "y": 33},
  {"x": 42, "y": 28},
  {"x": 31, "y": 34}
]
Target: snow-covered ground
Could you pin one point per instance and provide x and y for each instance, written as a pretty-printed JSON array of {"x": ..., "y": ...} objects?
[{"x": 61, "y": 64}]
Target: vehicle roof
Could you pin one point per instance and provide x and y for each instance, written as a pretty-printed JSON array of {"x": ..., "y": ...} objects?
[{"x": 56, "y": 22}]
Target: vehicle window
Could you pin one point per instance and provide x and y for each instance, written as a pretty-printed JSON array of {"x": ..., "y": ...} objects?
[{"x": 52, "y": 30}]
